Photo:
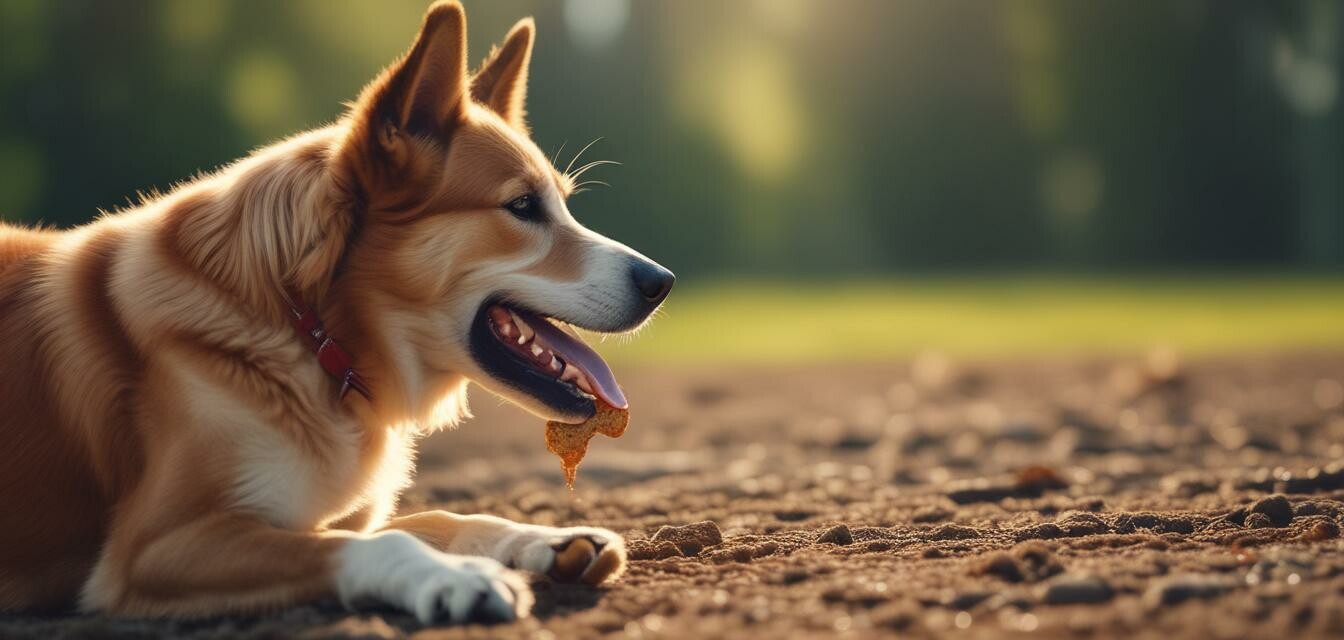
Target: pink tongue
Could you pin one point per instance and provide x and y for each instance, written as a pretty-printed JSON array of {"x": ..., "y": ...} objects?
[{"x": 575, "y": 352}]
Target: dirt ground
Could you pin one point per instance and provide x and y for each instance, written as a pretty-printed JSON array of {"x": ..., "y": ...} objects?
[{"x": 1106, "y": 498}]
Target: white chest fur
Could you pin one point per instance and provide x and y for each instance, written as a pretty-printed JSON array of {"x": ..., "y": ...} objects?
[
  {"x": 298, "y": 477},
  {"x": 296, "y": 489},
  {"x": 285, "y": 485}
]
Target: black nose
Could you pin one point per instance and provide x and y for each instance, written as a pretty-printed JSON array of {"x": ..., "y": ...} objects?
[{"x": 653, "y": 281}]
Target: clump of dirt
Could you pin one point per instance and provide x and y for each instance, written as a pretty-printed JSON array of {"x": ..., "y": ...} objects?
[
  {"x": 690, "y": 539},
  {"x": 1320, "y": 530},
  {"x": 1027, "y": 562},
  {"x": 647, "y": 550}
]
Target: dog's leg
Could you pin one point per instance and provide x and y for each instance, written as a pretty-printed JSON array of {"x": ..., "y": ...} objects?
[
  {"x": 226, "y": 563},
  {"x": 585, "y": 554}
]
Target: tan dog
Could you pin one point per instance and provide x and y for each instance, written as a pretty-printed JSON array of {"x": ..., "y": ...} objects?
[{"x": 173, "y": 446}]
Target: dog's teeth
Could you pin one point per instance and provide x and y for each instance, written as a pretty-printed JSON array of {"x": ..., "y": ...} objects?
[
  {"x": 555, "y": 364},
  {"x": 570, "y": 374},
  {"x": 536, "y": 349},
  {"x": 523, "y": 328},
  {"x": 522, "y": 339},
  {"x": 583, "y": 383},
  {"x": 507, "y": 329}
]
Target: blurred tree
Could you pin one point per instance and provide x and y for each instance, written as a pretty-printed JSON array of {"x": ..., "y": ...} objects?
[
  {"x": 760, "y": 137},
  {"x": 1307, "y": 64}
]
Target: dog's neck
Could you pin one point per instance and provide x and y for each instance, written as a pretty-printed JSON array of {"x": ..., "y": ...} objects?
[
  {"x": 285, "y": 217},
  {"x": 270, "y": 231},
  {"x": 271, "y": 220},
  {"x": 334, "y": 359}
]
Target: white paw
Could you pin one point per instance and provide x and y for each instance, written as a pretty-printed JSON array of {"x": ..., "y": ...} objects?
[
  {"x": 395, "y": 568},
  {"x": 570, "y": 554},
  {"x": 470, "y": 589}
]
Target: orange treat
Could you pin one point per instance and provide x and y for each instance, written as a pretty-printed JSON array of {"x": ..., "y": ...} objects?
[{"x": 570, "y": 441}]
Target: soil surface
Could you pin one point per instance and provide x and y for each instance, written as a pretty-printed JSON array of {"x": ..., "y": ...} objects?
[{"x": 1106, "y": 498}]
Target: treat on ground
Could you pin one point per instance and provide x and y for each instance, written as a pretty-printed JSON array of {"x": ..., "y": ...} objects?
[{"x": 570, "y": 441}]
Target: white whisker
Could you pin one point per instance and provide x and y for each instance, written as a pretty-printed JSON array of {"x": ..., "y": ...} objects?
[
  {"x": 596, "y": 163},
  {"x": 555, "y": 157},
  {"x": 582, "y": 186},
  {"x": 580, "y": 154}
]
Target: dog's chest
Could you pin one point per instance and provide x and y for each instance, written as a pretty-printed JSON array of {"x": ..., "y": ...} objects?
[{"x": 299, "y": 488}]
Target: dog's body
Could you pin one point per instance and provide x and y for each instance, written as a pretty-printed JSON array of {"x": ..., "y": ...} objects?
[{"x": 174, "y": 447}]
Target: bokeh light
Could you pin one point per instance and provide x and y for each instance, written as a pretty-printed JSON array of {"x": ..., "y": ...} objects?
[{"x": 595, "y": 24}]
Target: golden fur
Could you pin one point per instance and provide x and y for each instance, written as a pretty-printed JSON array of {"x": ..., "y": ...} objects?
[{"x": 173, "y": 448}]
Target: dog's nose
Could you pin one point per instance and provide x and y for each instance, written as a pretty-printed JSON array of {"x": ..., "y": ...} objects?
[{"x": 653, "y": 281}]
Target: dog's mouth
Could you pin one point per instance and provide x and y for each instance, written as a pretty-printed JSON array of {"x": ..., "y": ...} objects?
[{"x": 544, "y": 359}]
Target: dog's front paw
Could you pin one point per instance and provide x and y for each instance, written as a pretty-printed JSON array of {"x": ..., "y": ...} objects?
[
  {"x": 466, "y": 589},
  {"x": 573, "y": 554},
  {"x": 395, "y": 568}
]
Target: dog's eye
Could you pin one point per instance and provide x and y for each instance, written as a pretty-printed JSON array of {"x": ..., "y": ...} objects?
[{"x": 525, "y": 207}]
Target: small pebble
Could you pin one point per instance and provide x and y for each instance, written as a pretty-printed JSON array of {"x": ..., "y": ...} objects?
[
  {"x": 794, "y": 576},
  {"x": 1276, "y": 508},
  {"x": 1179, "y": 588},
  {"x": 897, "y": 616},
  {"x": 972, "y": 492},
  {"x": 1002, "y": 566},
  {"x": 1077, "y": 589},
  {"x": 1258, "y": 521},
  {"x": 1036, "y": 479},
  {"x": 839, "y": 535},
  {"x": 966, "y": 599}
]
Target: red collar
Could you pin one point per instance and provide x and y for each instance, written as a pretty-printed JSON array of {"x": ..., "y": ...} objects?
[{"x": 331, "y": 356}]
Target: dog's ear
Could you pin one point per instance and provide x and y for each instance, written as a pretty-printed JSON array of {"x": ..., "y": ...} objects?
[
  {"x": 425, "y": 92},
  {"x": 501, "y": 82}
]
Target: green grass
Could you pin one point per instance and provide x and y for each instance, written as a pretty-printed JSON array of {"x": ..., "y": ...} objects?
[{"x": 780, "y": 322}]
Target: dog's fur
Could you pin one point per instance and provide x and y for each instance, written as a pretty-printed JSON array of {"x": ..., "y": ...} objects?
[{"x": 171, "y": 445}]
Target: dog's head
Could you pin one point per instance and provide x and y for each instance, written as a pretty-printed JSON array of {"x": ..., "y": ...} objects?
[{"x": 467, "y": 254}]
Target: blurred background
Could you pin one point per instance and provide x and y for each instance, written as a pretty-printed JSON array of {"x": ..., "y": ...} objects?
[{"x": 831, "y": 180}]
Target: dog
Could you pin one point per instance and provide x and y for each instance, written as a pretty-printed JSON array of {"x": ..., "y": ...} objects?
[{"x": 211, "y": 400}]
